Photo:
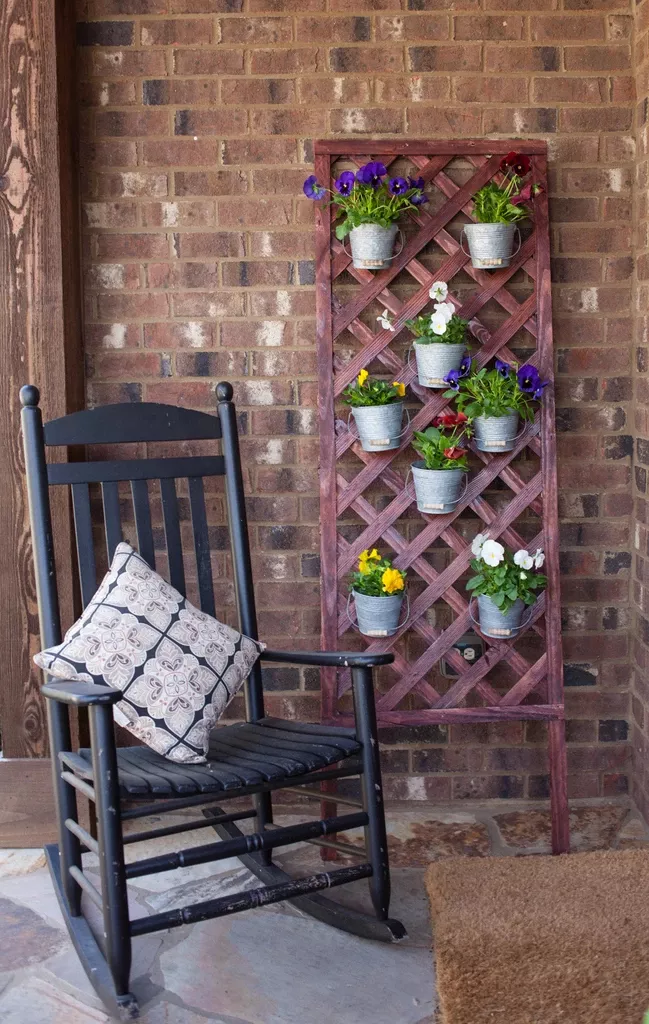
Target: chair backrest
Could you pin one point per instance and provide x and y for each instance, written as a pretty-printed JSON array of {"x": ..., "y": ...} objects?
[{"x": 127, "y": 424}]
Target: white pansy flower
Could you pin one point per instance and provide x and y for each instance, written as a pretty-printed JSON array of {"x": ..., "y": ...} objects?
[
  {"x": 523, "y": 559},
  {"x": 385, "y": 322},
  {"x": 539, "y": 558},
  {"x": 439, "y": 291},
  {"x": 478, "y": 541},
  {"x": 446, "y": 309},
  {"x": 492, "y": 552},
  {"x": 438, "y": 324}
]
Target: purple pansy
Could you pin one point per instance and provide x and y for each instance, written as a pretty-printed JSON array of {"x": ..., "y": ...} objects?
[
  {"x": 503, "y": 368},
  {"x": 417, "y": 183},
  {"x": 312, "y": 189},
  {"x": 452, "y": 378},
  {"x": 398, "y": 186},
  {"x": 465, "y": 366},
  {"x": 418, "y": 200},
  {"x": 371, "y": 173},
  {"x": 528, "y": 379},
  {"x": 345, "y": 183},
  {"x": 538, "y": 394}
]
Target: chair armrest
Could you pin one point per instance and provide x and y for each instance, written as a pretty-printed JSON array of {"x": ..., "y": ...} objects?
[
  {"x": 80, "y": 694},
  {"x": 334, "y": 659}
]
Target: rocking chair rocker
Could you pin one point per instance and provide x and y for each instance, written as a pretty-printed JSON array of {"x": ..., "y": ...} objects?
[{"x": 247, "y": 759}]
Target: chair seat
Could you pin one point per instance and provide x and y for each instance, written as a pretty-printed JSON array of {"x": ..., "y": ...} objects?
[{"x": 244, "y": 754}]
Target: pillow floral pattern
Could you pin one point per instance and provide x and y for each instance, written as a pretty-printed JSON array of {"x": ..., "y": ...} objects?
[{"x": 177, "y": 667}]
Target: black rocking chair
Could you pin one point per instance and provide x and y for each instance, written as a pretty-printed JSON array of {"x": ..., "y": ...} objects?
[{"x": 253, "y": 759}]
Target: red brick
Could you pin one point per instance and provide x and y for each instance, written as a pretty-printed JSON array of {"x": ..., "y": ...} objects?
[
  {"x": 215, "y": 243},
  {"x": 197, "y": 213},
  {"x": 522, "y": 58},
  {"x": 413, "y": 27},
  {"x": 235, "y": 212},
  {"x": 210, "y": 122},
  {"x": 445, "y": 58},
  {"x": 298, "y": 60},
  {"x": 482, "y": 27},
  {"x": 560, "y": 28},
  {"x": 594, "y": 239},
  {"x": 144, "y": 246},
  {"x": 262, "y": 151},
  {"x": 569, "y": 90},
  {"x": 288, "y": 122},
  {"x": 380, "y": 59},
  {"x": 210, "y": 183},
  {"x": 141, "y": 122},
  {"x": 602, "y": 119},
  {"x": 422, "y": 120},
  {"x": 179, "y": 152},
  {"x": 254, "y": 31},
  {"x": 107, "y": 365},
  {"x": 519, "y": 119},
  {"x": 132, "y": 307},
  {"x": 252, "y": 91},
  {"x": 210, "y": 364},
  {"x": 176, "y": 32},
  {"x": 353, "y": 120},
  {"x": 207, "y": 304},
  {"x": 411, "y": 89},
  {"x": 190, "y": 335},
  {"x": 612, "y": 57},
  {"x": 190, "y": 91},
  {"x": 208, "y": 62},
  {"x": 125, "y": 63},
  {"x": 479, "y": 89}
]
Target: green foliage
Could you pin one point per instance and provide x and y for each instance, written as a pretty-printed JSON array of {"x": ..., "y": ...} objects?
[
  {"x": 505, "y": 583},
  {"x": 492, "y": 205},
  {"x": 433, "y": 444},
  {"x": 421, "y": 327},
  {"x": 490, "y": 393},
  {"x": 368, "y": 205},
  {"x": 368, "y": 390}
]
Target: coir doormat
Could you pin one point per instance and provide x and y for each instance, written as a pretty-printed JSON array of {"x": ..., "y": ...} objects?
[{"x": 542, "y": 940}]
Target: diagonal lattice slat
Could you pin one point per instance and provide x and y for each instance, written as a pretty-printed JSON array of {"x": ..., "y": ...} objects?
[{"x": 509, "y": 307}]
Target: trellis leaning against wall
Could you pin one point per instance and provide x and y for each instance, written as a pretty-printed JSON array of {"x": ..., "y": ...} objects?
[{"x": 367, "y": 498}]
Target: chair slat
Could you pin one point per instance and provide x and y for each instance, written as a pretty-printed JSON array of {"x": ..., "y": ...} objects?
[
  {"x": 85, "y": 547},
  {"x": 172, "y": 534},
  {"x": 142, "y": 510},
  {"x": 134, "y": 469},
  {"x": 112, "y": 518},
  {"x": 201, "y": 544}
]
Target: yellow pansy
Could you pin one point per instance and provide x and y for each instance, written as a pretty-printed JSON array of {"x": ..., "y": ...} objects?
[
  {"x": 374, "y": 555},
  {"x": 362, "y": 377},
  {"x": 392, "y": 581},
  {"x": 363, "y": 567},
  {"x": 401, "y": 388}
]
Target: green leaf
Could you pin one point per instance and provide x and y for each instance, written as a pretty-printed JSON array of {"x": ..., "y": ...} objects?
[{"x": 342, "y": 230}]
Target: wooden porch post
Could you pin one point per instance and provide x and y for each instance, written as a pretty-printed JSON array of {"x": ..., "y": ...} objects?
[{"x": 40, "y": 343}]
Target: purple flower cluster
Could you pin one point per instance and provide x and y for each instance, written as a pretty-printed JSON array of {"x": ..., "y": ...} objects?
[
  {"x": 529, "y": 381},
  {"x": 312, "y": 190},
  {"x": 453, "y": 377},
  {"x": 371, "y": 174}
]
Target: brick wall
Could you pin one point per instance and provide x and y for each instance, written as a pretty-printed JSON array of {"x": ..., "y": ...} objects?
[
  {"x": 640, "y": 593},
  {"x": 197, "y": 117}
]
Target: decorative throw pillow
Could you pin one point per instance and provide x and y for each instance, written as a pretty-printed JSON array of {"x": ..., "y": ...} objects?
[{"x": 177, "y": 667}]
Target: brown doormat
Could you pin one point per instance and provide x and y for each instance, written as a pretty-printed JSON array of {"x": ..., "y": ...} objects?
[{"x": 542, "y": 940}]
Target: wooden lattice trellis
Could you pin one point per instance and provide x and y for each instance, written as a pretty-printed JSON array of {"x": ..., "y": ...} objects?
[{"x": 347, "y": 300}]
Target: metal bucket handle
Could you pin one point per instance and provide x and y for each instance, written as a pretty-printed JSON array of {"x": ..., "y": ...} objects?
[
  {"x": 387, "y": 258},
  {"x": 520, "y": 242},
  {"x": 457, "y": 500},
  {"x": 405, "y": 429},
  {"x": 514, "y": 632},
  {"x": 354, "y": 625}
]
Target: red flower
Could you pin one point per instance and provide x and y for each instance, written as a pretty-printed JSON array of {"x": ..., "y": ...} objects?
[
  {"x": 450, "y": 419},
  {"x": 526, "y": 193},
  {"x": 461, "y": 417},
  {"x": 455, "y": 452},
  {"x": 508, "y": 161}
]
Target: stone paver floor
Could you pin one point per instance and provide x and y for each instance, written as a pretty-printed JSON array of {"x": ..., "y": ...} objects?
[{"x": 274, "y": 965}]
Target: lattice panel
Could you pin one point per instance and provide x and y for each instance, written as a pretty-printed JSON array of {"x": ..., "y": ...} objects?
[{"x": 367, "y": 499}]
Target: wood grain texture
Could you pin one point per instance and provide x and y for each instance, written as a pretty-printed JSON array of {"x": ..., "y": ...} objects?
[
  {"x": 344, "y": 491},
  {"x": 39, "y": 328},
  {"x": 27, "y": 816}
]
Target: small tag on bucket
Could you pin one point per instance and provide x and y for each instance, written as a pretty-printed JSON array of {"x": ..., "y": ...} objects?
[
  {"x": 436, "y": 505},
  {"x": 495, "y": 261},
  {"x": 376, "y": 632},
  {"x": 498, "y": 443},
  {"x": 500, "y": 632},
  {"x": 370, "y": 264},
  {"x": 379, "y": 442},
  {"x": 435, "y": 380}
]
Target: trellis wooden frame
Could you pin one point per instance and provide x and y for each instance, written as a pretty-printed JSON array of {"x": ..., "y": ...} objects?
[{"x": 543, "y": 678}]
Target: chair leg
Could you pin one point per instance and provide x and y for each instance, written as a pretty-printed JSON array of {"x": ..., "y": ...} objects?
[
  {"x": 376, "y": 839},
  {"x": 65, "y": 799},
  {"x": 111, "y": 849},
  {"x": 264, "y": 816}
]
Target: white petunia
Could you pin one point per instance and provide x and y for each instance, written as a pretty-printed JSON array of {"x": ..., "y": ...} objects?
[
  {"x": 439, "y": 291},
  {"x": 523, "y": 559},
  {"x": 492, "y": 552},
  {"x": 385, "y": 322},
  {"x": 438, "y": 324},
  {"x": 539, "y": 558},
  {"x": 478, "y": 541},
  {"x": 446, "y": 309}
]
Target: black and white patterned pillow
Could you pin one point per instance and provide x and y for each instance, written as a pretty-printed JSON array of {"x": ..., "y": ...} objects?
[{"x": 177, "y": 667}]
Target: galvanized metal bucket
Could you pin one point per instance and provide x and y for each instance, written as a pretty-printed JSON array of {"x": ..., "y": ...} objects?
[
  {"x": 496, "y": 433},
  {"x": 497, "y": 624},
  {"x": 377, "y": 616},
  {"x": 379, "y": 426},
  {"x": 491, "y": 245},
  {"x": 372, "y": 246},
  {"x": 434, "y": 362},
  {"x": 437, "y": 490}
]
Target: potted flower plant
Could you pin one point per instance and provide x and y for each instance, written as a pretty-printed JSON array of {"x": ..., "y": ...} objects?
[
  {"x": 378, "y": 591},
  {"x": 498, "y": 209},
  {"x": 370, "y": 205},
  {"x": 377, "y": 408},
  {"x": 495, "y": 399},
  {"x": 440, "y": 339},
  {"x": 503, "y": 584},
  {"x": 440, "y": 472}
]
